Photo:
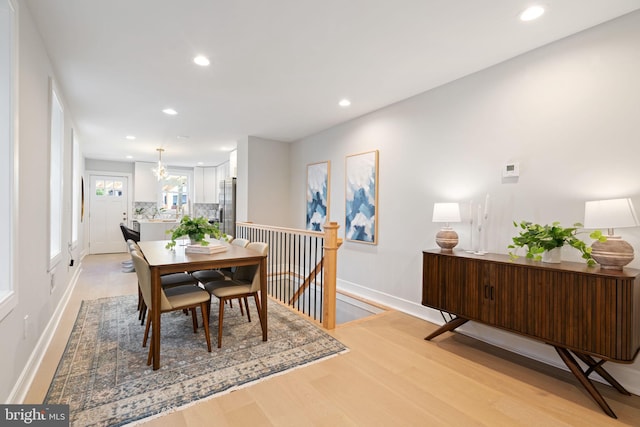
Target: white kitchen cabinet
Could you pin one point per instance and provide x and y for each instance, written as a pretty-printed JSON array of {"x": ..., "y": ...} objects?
[
  {"x": 205, "y": 185},
  {"x": 210, "y": 185},
  {"x": 145, "y": 183},
  {"x": 198, "y": 184}
]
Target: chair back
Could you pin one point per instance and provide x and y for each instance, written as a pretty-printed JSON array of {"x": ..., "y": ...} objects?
[
  {"x": 129, "y": 233},
  {"x": 144, "y": 281},
  {"x": 251, "y": 273},
  {"x": 240, "y": 242}
]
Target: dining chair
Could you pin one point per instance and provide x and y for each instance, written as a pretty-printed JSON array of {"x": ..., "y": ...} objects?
[
  {"x": 177, "y": 298},
  {"x": 212, "y": 279},
  {"x": 245, "y": 283},
  {"x": 167, "y": 281},
  {"x": 206, "y": 276}
]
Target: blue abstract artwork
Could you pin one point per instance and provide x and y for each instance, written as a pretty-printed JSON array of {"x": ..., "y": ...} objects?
[
  {"x": 318, "y": 180},
  {"x": 361, "y": 197}
]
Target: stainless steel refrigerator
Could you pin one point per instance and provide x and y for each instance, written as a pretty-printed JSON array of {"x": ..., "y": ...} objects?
[{"x": 227, "y": 206}]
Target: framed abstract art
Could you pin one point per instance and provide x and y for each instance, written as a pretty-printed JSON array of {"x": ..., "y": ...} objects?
[
  {"x": 361, "y": 197},
  {"x": 318, "y": 183}
]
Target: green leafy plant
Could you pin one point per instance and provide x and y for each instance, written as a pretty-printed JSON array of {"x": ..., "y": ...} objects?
[
  {"x": 196, "y": 229},
  {"x": 538, "y": 238}
]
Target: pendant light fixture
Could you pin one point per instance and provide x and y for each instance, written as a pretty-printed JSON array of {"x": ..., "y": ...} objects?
[{"x": 161, "y": 171}]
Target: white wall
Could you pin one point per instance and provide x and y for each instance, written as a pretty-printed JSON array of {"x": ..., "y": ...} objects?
[
  {"x": 263, "y": 186},
  {"x": 35, "y": 297},
  {"x": 568, "y": 112}
]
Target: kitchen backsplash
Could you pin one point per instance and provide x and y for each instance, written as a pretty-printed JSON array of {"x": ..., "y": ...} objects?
[{"x": 207, "y": 210}]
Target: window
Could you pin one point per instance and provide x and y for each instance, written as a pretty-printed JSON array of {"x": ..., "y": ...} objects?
[
  {"x": 8, "y": 118},
  {"x": 55, "y": 179},
  {"x": 175, "y": 194}
]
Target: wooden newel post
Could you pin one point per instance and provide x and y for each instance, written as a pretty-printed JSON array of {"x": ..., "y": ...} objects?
[{"x": 330, "y": 273}]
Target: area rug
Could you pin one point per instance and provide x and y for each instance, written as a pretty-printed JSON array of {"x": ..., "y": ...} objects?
[{"x": 104, "y": 377}]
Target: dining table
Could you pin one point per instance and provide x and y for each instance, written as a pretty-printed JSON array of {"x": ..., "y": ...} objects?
[{"x": 164, "y": 261}]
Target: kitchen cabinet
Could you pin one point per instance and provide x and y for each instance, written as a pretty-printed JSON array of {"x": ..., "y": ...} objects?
[
  {"x": 205, "y": 184},
  {"x": 145, "y": 183}
]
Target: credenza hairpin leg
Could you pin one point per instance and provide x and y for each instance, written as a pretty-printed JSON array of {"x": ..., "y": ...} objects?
[
  {"x": 449, "y": 326},
  {"x": 583, "y": 377}
]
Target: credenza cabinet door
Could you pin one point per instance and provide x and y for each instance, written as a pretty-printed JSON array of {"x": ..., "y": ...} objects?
[{"x": 510, "y": 308}]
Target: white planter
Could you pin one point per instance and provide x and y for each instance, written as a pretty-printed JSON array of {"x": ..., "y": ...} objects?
[{"x": 554, "y": 256}]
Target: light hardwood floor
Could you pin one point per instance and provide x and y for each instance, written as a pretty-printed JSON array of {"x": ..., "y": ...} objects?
[{"x": 390, "y": 377}]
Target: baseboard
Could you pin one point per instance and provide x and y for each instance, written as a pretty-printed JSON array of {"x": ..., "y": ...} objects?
[
  {"x": 627, "y": 375},
  {"x": 20, "y": 389}
]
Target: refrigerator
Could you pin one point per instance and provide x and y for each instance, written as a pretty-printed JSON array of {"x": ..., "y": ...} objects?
[{"x": 227, "y": 206}]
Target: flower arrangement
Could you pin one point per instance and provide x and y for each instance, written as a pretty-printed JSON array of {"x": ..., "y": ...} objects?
[
  {"x": 540, "y": 238},
  {"x": 196, "y": 229}
]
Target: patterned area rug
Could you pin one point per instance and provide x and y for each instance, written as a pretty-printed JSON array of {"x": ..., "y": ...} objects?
[{"x": 104, "y": 377}]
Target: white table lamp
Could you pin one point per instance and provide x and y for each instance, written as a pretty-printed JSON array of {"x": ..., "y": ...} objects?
[
  {"x": 615, "y": 253},
  {"x": 446, "y": 213}
]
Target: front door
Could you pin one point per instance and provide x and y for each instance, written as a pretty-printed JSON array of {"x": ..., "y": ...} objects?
[{"x": 108, "y": 209}]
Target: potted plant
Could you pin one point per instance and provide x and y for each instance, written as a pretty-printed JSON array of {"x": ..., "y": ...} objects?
[
  {"x": 540, "y": 239},
  {"x": 196, "y": 229},
  {"x": 139, "y": 212}
]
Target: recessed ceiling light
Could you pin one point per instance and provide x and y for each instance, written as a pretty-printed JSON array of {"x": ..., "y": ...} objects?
[
  {"x": 129, "y": 157},
  {"x": 200, "y": 163},
  {"x": 130, "y": 137},
  {"x": 170, "y": 111},
  {"x": 531, "y": 13},
  {"x": 203, "y": 61},
  {"x": 344, "y": 102},
  {"x": 182, "y": 137}
]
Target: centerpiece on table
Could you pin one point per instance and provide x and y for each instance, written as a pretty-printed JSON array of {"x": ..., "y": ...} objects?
[
  {"x": 196, "y": 229},
  {"x": 544, "y": 242}
]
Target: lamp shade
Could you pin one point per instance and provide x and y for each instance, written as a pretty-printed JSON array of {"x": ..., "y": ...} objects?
[
  {"x": 446, "y": 212},
  {"x": 614, "y": 213}
]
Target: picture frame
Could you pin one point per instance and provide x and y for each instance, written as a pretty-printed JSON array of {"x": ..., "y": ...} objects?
[
  {"x": 318, "y": 195},
  {"x": 361, "y": 197}
]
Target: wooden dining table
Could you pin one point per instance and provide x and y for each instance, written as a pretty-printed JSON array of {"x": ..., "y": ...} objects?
[{"x": 163, "y": 261}]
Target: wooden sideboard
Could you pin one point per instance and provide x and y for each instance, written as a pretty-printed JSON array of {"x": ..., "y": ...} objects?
[{"x": 587, "y": 311}]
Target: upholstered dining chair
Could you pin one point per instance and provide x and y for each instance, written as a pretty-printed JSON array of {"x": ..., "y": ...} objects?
[
  {"x": 212, "y": 279},
  {"x": 177, "y": 298},
  {"x": 245, "y": 283},
  {"x": 168, "y": 281},
  {"x": 206, "y": 276}
]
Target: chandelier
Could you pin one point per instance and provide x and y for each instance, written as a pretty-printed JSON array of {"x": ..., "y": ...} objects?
[{"x": 161, "y": 171}]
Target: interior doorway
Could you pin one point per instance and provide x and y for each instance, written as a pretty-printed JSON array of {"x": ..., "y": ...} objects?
[{"x": 108, "y": 208}]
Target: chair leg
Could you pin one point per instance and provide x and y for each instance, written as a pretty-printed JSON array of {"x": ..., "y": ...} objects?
[
  {"x": 205, "y": 321},
  {"x": 194, "y": 317},
  {"x": 220, "y": 317},
  {"x": 146, "y": 331},
  {"x": 144, "y": 313},
  {"x": 255, "y": 297},
  {"x": 246, "y": 304},
  {"x": 240, "y": 304}
]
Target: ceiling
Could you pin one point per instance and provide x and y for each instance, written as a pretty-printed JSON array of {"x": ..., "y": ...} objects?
[{"x": 278, "y": 67}]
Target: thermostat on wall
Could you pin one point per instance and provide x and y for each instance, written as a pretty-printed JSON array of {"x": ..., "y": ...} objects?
[{"x": 511, "y": 169}]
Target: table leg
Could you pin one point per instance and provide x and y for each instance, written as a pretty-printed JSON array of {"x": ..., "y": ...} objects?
[
  {"x": 449, "y": 326},
  {"x": 155, "y": 316},
  {"x": 597, "y": 368},
  {"x": 263, "y": 296},
  {"x": 584, "y": 380}
]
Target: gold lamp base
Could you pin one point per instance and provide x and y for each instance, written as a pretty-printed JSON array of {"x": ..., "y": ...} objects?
[
  {"x": 447, "y": 239},
  {"x": 613, "y": 254}
]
